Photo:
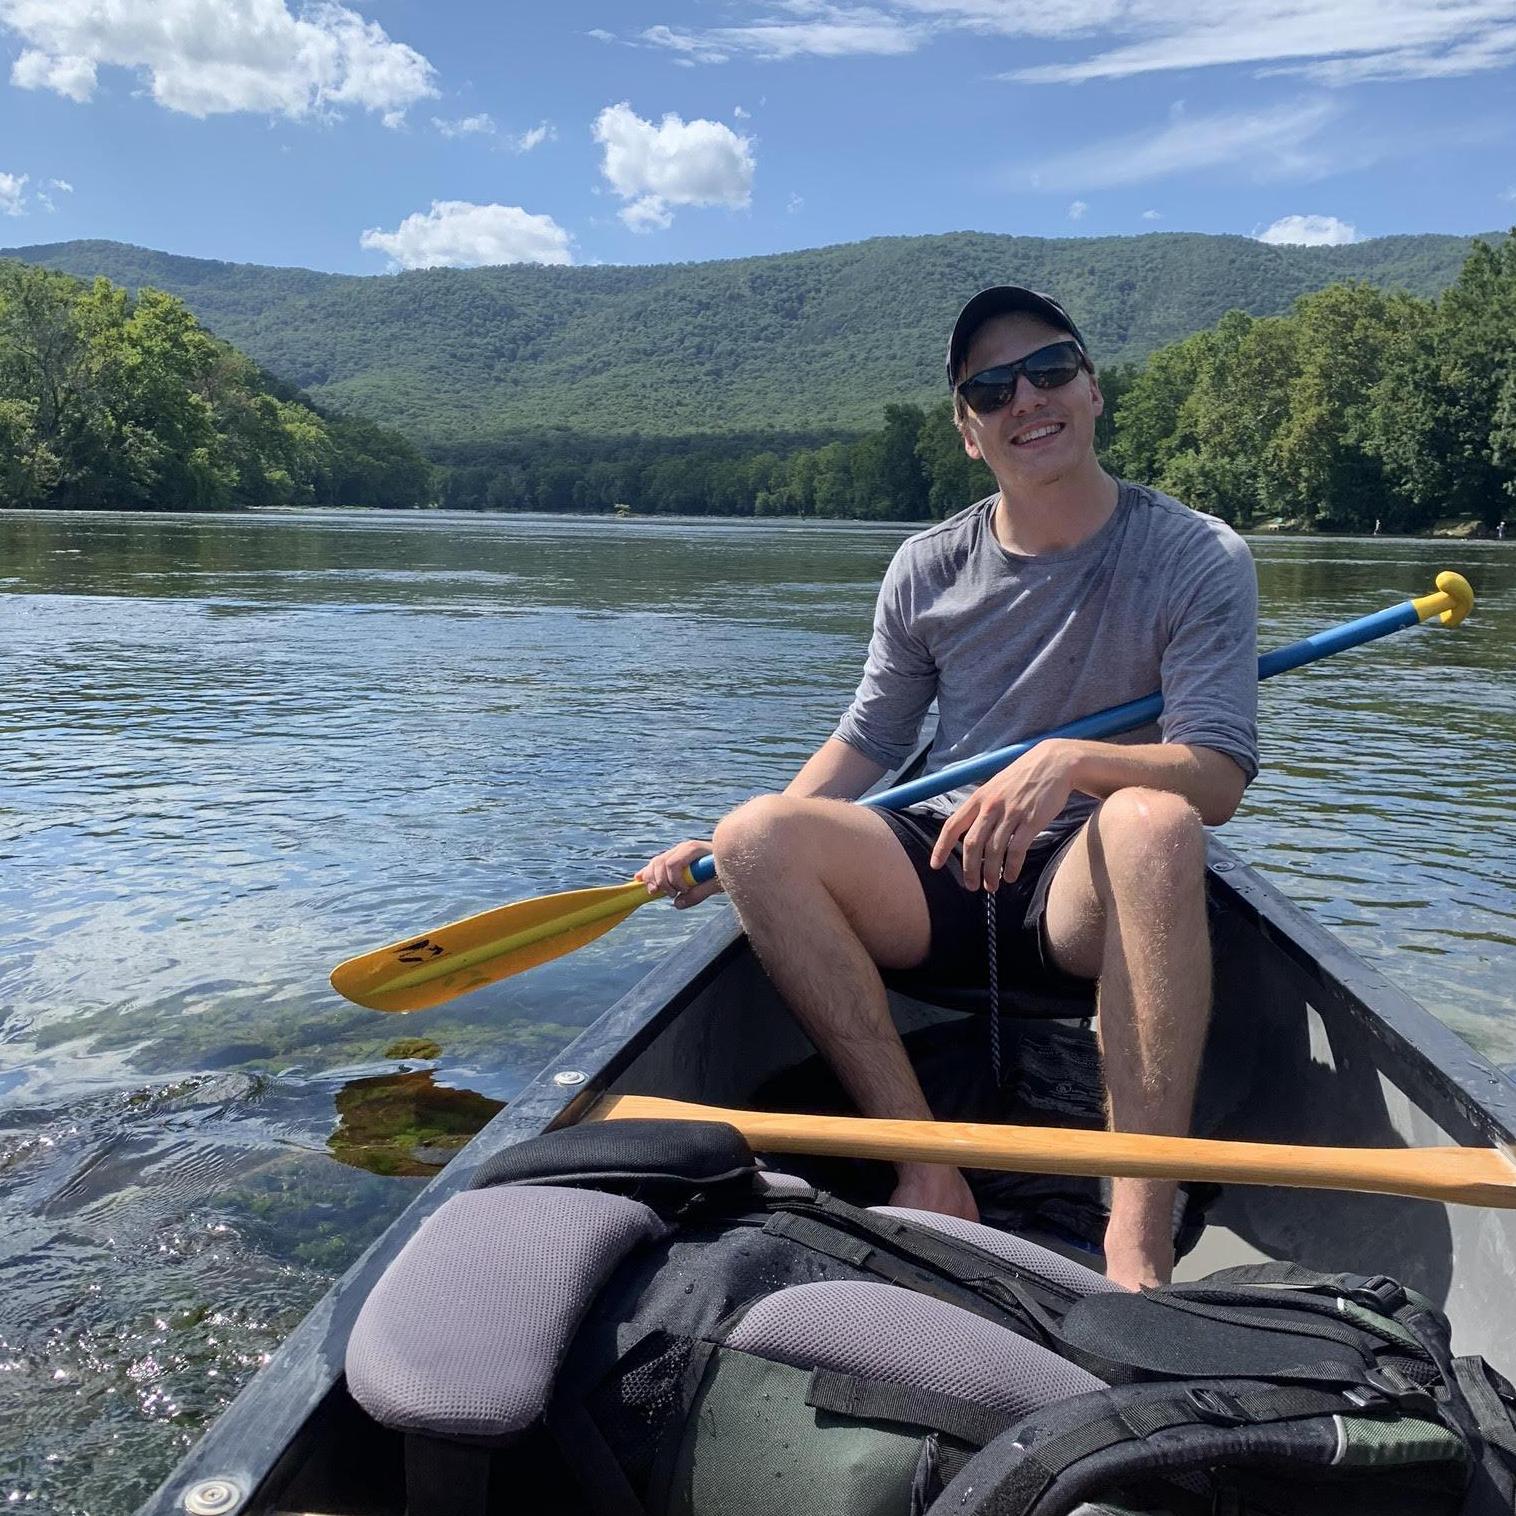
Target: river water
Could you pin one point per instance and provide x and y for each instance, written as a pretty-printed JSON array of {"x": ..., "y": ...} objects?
[{"x": 238, "y": 749}]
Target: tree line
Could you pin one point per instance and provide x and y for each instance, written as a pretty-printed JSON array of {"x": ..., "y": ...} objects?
[
  {"x": 1358, "y": 409},
  {"x": 119, "y": 403}
]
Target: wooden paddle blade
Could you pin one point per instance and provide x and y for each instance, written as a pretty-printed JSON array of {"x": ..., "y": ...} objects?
[
  {"x": 1463, "y": 1176},
  {"x": 466, "y": 955}
]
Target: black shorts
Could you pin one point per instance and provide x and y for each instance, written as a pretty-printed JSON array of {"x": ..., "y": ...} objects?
[{"x": 959, "y": 952}]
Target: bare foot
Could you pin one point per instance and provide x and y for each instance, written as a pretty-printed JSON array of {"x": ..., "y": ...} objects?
[
  {"x": 1139, "y": 1237},
  {"x": 935, "y": 1187},
  {"x": 1136, "y": 1267}
]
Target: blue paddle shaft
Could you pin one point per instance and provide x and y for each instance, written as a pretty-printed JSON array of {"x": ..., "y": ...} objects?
[{"x": 1121, "y": 718}]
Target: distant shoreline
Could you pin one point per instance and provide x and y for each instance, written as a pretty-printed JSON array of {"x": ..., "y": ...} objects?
[{"x": 1451, "y": 530}]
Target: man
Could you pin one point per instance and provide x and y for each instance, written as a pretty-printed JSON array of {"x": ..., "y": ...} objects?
[{"x": 1062, "y": 594}]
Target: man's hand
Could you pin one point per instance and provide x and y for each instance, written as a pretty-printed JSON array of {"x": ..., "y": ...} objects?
[
  {"x": 664, "y": 875},
  {"x": 1002, "y": 818}
]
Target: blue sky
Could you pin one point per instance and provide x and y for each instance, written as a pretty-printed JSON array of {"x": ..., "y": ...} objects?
[{"x": 364, "y": 137}]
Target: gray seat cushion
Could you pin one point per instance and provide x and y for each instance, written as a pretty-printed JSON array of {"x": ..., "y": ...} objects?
[
  {"x": 879, "y": 1331},
  {"x": 465, "y": 1332}
]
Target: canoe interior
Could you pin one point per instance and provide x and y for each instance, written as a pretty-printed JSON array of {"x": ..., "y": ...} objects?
[{"x": 1308, "y": 1045}]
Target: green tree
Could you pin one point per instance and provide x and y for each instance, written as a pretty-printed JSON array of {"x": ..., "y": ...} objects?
[
  {"x": 112, "y": 402},
  {"x": 906, "y": 488},
  {"x": 953, "y": 479},
  {"x": 28, "y": 468},
  {"x": 1144, "y": 432},
  {"x": 1322, "y": 464},
  {"x": 1444, "y": 409}
]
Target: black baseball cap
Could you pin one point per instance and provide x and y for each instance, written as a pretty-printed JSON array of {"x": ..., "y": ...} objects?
[{"x": 1000, "y": 300}]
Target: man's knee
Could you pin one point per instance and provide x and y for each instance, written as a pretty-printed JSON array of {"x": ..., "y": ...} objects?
[
  {"x": 1151, "y": 835},
  {"x": 761, "y": 833}
]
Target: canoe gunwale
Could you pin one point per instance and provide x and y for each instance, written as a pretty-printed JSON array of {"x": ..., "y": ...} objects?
[
  {"x": 1453, "y": 1082},
  {"x": 265, "y": 1428}
]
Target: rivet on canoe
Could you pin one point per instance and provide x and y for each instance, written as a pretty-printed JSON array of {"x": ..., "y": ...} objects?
[
  {"x": 1222, "y": 868},
  {"x": 212, "y": 1497},
  {"x": 568, "y": 1078}
]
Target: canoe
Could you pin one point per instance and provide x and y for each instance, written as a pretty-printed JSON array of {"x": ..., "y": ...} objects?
[{"x": 1309, "y": 1044}]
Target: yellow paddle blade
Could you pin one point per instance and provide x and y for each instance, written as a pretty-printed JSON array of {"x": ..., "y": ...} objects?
[{"x": 466, "y": 955}]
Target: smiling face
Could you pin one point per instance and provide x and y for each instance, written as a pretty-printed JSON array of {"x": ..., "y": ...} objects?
[{"x": 1043, "y": 436}]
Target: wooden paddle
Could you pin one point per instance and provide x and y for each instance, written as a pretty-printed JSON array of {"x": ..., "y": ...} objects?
[
  {"x": 431, "y": 967},
  {"x": 1462, "y": 1176}
]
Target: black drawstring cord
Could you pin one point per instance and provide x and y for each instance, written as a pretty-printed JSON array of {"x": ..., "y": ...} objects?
[{"x": 994, "y": 953}]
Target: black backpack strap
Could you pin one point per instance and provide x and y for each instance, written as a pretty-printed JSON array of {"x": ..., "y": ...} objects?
[
  {"x": 967, "y": 1421},
  {"x": 978, "y": 1281},
  {"x": 585, "y": 1450},
  {"x": 943, "y": 1278},
  {"x": 943, "y": 1250},
  {"x": 1042, "y": 1455},
  {"x": 1378, "y": 1292},
  {"x": 1244, "y": 1308},
  {"x": 1492, "y": 1413},
  {"x": 1382, "y": 1297},
  {"x": 446, "y": 1478}
]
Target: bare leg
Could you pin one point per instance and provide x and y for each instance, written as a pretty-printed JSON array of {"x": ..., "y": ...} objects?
[
  {"x": 826, "y": 893},
  {"x": 1127, "y": 906}
]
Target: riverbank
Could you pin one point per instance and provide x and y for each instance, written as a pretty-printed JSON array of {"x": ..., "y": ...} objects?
[{"x": 1461, "y": 529}]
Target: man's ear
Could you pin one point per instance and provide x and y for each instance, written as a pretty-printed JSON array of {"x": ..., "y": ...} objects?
[
  {"x": 969, "y": 445},
  {"x": 1096, "y": 398}
]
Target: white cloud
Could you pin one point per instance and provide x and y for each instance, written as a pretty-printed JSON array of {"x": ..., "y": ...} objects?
[
  {"x": 600, "y": 34},
  {"x": 1309, "y": 231},
  {"x": 674, "y": 163},
  {"x": 820, "y": 30},
  {"x": 795, "y": 204},
  {"x": 482, "y": 125},
  {"x": 649, "y": 214},
  {"x": 1509, "y": 194},
  {"x": 69, "y": 74},
  {"x": 61, "y": 184},
  {"x": 1273, "y": 144},
  {"x": 1340, "y": 43},
  {"x": 691, "y": 49},
  {"x": 12, "y": 191},
  {"x": 525, "y": 141},
  {"x": 1077, "y": 210},
  {"x": 738, "y": 114},
  {"x": 459, "y": 234},
  {"x": 208, "y": 57},
  {"x": 1152, "y": 215}
]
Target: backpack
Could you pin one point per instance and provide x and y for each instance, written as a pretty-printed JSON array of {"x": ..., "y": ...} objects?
[{"x": 632, "y": 1319}]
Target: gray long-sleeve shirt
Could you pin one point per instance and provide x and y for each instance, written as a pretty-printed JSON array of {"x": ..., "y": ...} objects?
[{"x": 1161, "y": 597}]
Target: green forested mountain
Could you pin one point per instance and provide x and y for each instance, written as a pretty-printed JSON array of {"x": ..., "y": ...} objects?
[{"x": 798, "y": 345}]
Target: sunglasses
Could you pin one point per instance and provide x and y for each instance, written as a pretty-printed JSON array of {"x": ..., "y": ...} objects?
[{"x": 1049, "y": 368}]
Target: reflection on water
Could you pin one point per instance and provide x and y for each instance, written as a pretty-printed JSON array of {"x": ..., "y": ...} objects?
[
  {"x": 239, "y": 749},
  {"x": 405, "y": 1124}
]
